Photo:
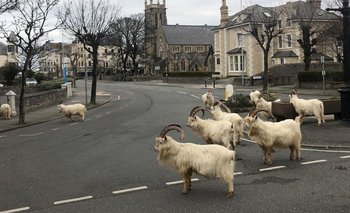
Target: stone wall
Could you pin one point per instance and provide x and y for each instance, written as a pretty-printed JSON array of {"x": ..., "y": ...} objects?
[{"x": 40, "y": 100}]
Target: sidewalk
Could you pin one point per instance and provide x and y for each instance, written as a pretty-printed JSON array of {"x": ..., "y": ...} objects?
[
  {"x": 334, "y": 134},
  {"x": 51, "y": 113}
]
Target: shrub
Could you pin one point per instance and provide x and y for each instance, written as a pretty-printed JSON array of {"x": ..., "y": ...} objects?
[
  {"x": 40, "y": 77},
  {"x": 9, "y": 73},
  {"x": 189, "y": 74},
  {"x": 317, "y": 76},
  {"x": 239, "y": 100}
]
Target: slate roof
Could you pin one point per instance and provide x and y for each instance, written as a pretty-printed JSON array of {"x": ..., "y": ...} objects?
[
  {"x": 188, "y": 34},
  {"x": 236, "y": 51},
  {"x": 293, "y": 10},
  {"x": 284, "y": 54}
]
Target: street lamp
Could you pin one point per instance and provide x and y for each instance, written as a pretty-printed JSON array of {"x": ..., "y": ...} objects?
[{"x": 344, "y": 90}]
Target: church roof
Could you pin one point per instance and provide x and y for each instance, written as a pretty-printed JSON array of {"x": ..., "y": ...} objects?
[{"x": 188, "y": 34}]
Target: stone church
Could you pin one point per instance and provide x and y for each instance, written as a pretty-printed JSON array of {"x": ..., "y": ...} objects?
[{"x": 175, "y": 48}]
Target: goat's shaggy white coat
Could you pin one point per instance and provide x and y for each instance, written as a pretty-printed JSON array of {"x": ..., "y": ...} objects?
[
  {"x": 73, "y": 109},
  {"x": 208, "y": 100},
  {"x": 308, "y": 107},
  {"x": 269, "y": 135},
  {"x": 5, "y": 109},
  {"x": 212, "y": 161},
  {"x": 233, "y": 118},
  {"x": 213, "y": 132}
]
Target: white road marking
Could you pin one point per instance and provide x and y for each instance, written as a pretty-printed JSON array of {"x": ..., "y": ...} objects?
[
  {"x": 195, "y": 96},
  {"x": 87, "y": 119},
  {"x": 32, "y": 135},
  {"x": 130, "y": 190},
  {"x": 54, "y": 129},
  {"x": 16, "y": 210},
  {"x": 180, "y": 181},
  {"x": 271, "y": 168},
  {"x": 107, "y": 113},
  {"x": 181, "y": 92},
  {"x": 72, "y": 200},
  {"x": 330, "y": 151},
  {"x": 344, "y": 157},
  {"x": 238, "y": 173},
  {"x": 311, "y": 162},
  {"x": 250, "y": 141},
  {"x": 76, "y": 123},
  {"x": 3, "y": 136},
  {"x": 98, "y": 116},
  {"x": 118, "y": 97}
]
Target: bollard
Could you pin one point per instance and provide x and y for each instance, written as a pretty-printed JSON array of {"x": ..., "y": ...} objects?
[
  {"x": 228, "y": 91},
  {"x": 11, "y": 100}
]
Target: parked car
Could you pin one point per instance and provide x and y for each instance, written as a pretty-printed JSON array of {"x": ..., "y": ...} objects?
[{"x": 31, "y": 82}]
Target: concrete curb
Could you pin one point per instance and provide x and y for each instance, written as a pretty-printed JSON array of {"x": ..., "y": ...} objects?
[{"x": 324, "y": 146}]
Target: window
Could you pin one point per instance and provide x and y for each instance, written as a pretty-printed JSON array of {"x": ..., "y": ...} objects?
[
  {"x": 241, "y": 58},
  {"x": 236, "y": 62},
  {"x": 188, "y": 48},
  {"x": 231, "y": 63},
  {"x": 90, "y": 64},
  {"x": 280, "y": 42},
  {"x": 289, "y": 23},
  {"x": 289, "y": 40},
  {"x": 282, "y": 61},
  {"x": 176, "y": 49},
  {"x": 183, "y": 65},
  {"x": 106, "y": 64},
  {"x": 218, "y": 61},
  {"x": 239, "y": 39},
  {"x": 200, "y": 49}
]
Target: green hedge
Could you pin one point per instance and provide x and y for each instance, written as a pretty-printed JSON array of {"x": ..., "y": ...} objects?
[
  {"x": 317, "y": 76},
  {"x": 189, "y": 74},
  {"x": 52, "y": 84}
]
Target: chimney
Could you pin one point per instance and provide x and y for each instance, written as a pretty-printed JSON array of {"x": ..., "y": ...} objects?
[{"x": 224, "y": 14}]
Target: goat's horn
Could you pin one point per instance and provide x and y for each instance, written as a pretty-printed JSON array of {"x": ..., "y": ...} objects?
[
  {"x": 294, "y": 92},
  {"x": 262, "y": 110},
  {"x": 196, "y": 109},
  {"x": 170, "y": 127},
  {"x": 224, "y": 106}
]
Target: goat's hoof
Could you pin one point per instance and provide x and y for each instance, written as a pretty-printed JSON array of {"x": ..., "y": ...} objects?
[
  {"x": 184, "y": 191},
  {"x": 229, "y": 194},
  {"x": 268, "y": 163}
]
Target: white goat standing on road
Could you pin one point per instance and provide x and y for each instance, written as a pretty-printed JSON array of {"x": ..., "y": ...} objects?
[
  {"x": 234, "y": 118},
  {"x": 307, "y": 107},
  {"x": 208, "y": 99},
  {"x": 269, "y": 135},
  {"x": 212, "y": 161},
  {"x": 5, "y": 109},
  {"x": 261, "y": 103},
  {"x": 73, "y": 109},
  {"x": 213, "y": 132}
]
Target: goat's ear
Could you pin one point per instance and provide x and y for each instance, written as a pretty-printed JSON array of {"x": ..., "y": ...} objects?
[{"x": 165, "y": 138}]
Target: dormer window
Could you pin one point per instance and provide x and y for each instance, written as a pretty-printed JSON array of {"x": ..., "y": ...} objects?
[{"x": 267, "y": 14}]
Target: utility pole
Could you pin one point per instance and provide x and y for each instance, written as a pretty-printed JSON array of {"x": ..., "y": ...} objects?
[{"x": 344, "y": 90}]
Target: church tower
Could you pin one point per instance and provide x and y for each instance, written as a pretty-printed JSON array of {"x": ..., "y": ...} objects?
[{"x": 155, "y": 17}]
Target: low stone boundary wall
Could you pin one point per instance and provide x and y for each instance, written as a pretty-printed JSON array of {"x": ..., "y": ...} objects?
[{"x": 40, "y": 100}]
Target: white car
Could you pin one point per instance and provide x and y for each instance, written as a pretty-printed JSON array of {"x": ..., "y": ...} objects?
[
  {"x": 31, "y": 82},
  {"x": 1, "y": 85}
]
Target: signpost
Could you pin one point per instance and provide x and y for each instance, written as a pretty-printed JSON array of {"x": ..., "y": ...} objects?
[{"x": 323, "y": 74}]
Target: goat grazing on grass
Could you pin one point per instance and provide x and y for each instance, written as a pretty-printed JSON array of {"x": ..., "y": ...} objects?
[{"x": 211, "y": 161}]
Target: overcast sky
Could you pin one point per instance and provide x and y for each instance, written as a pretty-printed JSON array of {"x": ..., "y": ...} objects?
[{"x": 184, "y": 12}]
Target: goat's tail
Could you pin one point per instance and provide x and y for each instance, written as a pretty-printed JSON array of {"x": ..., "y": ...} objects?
[{"x": 298, "y": 119}]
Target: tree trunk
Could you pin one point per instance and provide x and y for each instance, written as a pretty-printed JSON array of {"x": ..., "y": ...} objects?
[
  {"x": 21, "y": 114},
  {"x": 266, "y": 67},
  {"x": 94, "y": 76}
]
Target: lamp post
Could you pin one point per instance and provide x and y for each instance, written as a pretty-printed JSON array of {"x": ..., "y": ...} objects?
[{"x": 344, "y": 90}]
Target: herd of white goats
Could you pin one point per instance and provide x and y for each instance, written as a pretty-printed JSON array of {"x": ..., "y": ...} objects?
[
  {"x": 225, "y": 130},
  {"x": 221, "y": 134}
]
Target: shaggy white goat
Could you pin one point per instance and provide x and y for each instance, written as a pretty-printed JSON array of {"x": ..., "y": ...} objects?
[
  {"x": 234, "y": 118},
  {"x": 73, "y": 109},
  {"x": 261, "y": 103},
  {"x": 211, "y": 161},
  {"x": 254, "y": 95},
  {"x": 5, "y": 109},
  {"x": 307, "y": 107},
  {"x": 212, "y": 132},
  {"x": 269, "y": 135},
  {"x": 208, "y": 99}
]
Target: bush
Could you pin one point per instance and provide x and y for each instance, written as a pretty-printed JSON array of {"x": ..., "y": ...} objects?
[
  {"x": 317, "y": 76},
  {"x": 39, "y": 77},
  {"x": 52, "y": 84},
  {"x": 9, "y": 73},
  {"x": 189, "y": 74},
  {"x": 239, "y": 100}
]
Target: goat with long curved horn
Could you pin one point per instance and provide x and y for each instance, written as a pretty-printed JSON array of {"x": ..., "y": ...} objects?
[
  {"x": 196, "y": 109},
  {"x": 255, "y": 112}
]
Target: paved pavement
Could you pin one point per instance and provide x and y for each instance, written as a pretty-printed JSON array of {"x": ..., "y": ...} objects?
[{"x": 334, "y": 134}]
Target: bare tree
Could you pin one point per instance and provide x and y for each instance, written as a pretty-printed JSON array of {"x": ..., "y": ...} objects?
[
  {"x": 7, "y": 5},
  {"x": 29, "y": 23},
  {"x": 313, "y": 24},
  {"x": 129, "y": 38},
  {"x": 264, "y": 27},
  {"x": 90, "y": 21}
]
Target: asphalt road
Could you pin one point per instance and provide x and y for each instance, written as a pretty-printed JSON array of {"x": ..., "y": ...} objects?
[{"x": 107, "y": 164}]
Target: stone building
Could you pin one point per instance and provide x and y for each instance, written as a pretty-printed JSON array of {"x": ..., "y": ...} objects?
[
  {"x": 9, "y": 52},
  {"x": 237, "y": 52},
  {"x": 170, "y": 48}
]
